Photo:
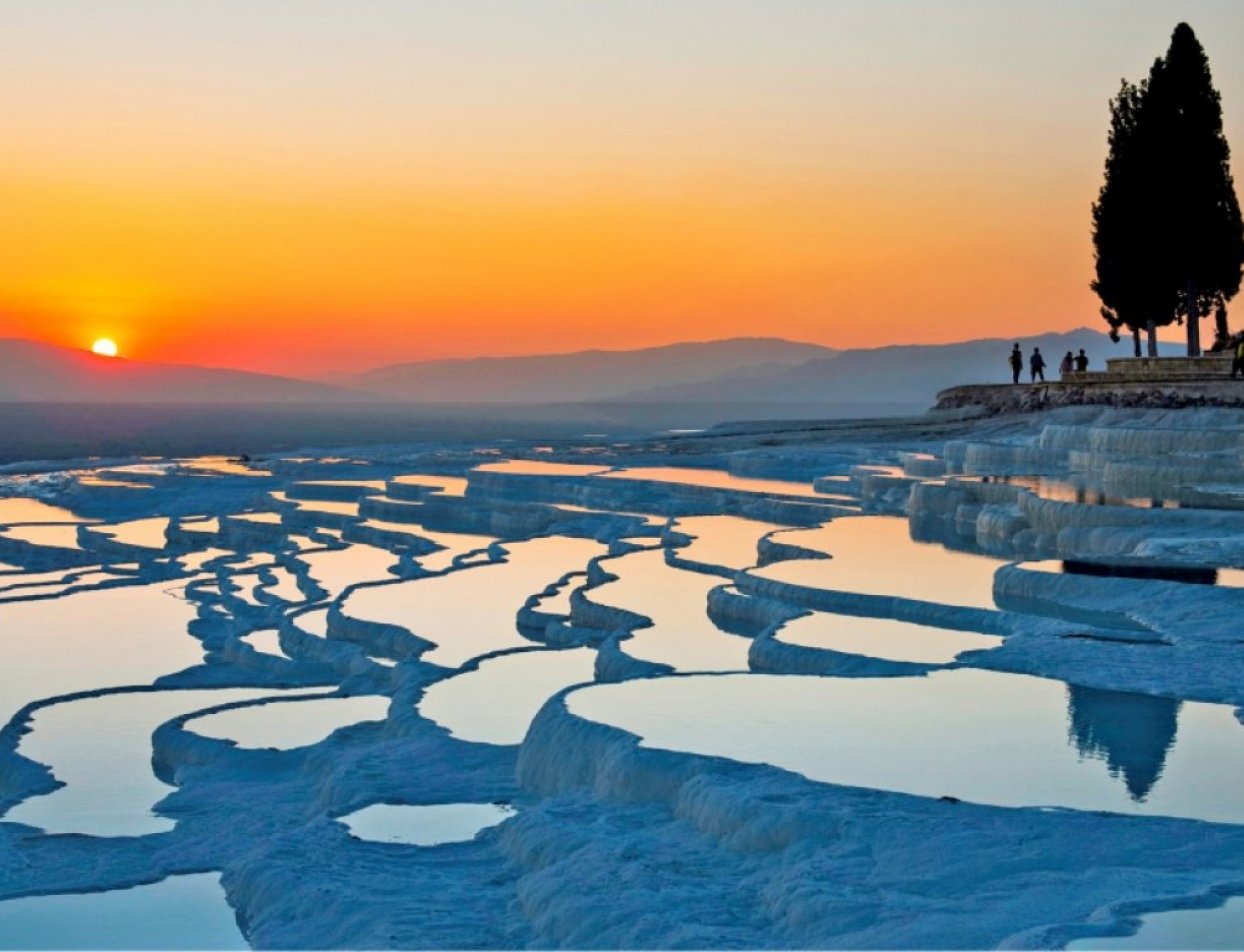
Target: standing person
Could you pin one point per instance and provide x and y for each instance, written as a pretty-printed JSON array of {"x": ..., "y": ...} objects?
[
  {"x": 1036, "y": 364},
  {"x": 1017, "y": 363},
  {"x": 1237, "y": 361},
  {"x": 1081, "y": 361},
  {"x": 1068, "y": 362}
]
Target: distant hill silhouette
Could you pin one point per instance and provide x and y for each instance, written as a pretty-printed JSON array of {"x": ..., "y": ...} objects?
[
  {"x": 33, "y": 372},
  {"x": 906, "y": 374},
  {"x": 742, "y": 373},
  {"x": 589, "y": 375}
]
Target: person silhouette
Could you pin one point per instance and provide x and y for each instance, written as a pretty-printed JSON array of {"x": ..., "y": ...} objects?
[
  {"x": 1068, "y": 362},
  {"x": 1017, "y": 363},
  {"x": 1081, "y": 361},
  {"x": 1036, "y": 365}
]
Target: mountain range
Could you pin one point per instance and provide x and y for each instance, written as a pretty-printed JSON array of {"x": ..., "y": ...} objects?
[
  {"x": 587, "y": 375},
  {"x": 737, "y": 372},
  {"x": 908, "y": 374},
  {"x": 31, "y": 372}
]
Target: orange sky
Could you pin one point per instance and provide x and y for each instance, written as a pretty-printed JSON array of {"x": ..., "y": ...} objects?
[{"x": 220, "y": 183}]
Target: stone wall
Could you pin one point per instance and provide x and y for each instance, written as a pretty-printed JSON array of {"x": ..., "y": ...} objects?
[
  {"x": 1102, "y": 390},
  {"x": 1212, "y": 365}
]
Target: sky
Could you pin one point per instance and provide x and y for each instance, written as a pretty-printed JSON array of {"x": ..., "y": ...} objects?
[{"x": 318, "y": 186}]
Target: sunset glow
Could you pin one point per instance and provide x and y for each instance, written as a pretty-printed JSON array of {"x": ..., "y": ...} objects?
[
  {"x": 337, "y": 191},
  {"x": 104, "y": 347}
]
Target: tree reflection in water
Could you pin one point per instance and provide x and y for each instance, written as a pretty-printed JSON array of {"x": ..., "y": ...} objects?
[{"x": 1132, "y": 733}]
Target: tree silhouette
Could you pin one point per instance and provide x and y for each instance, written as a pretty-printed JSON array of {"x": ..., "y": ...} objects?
[
  {"x": 1205, "y": 236},
  {"x": 1167, "y": 232},
  {"x": 1129, "y": 272},
  {"x": 1131, "y": 733}
]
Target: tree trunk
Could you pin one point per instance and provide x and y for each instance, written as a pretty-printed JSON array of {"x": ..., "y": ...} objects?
[
  {"x": 1194, "y": 322},
  {"x": 1152, "y": 331},
  {"x": 1135, "y": 341}
]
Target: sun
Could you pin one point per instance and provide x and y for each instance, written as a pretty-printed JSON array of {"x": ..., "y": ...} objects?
[{"x": 105, "y": 347}]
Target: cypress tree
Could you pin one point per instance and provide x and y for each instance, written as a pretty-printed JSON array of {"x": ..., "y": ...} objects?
[
  {"x": 1130, "y": 274},
  {"x": 1167, "y": 230},
  {"x": 1204, "y": 234}
]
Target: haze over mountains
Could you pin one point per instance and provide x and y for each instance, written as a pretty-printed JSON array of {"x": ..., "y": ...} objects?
[
  {"x": 57, "y": 403},
  {"x": 900, "y": 374},
  {"x": 31, "y": 372},
  {"x": 732, "y": 373},
  {"x": 588, "y": 375}
]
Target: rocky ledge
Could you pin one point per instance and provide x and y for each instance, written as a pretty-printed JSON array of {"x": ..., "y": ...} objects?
[{"x": 1158, "y": 394}]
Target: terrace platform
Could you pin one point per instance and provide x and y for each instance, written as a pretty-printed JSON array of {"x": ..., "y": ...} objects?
[{"x": 1160, "y": 382}]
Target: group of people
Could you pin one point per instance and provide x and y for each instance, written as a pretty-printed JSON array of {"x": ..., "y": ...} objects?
[
  {"x": 1079, "y": 362},
  {"x": 1036, "y": 364}
]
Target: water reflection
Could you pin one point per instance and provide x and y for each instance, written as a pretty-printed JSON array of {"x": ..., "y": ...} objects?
[
  {"x": 979, "y": 736},
  {"x": 876, "y": 555},
  {"x": 336, "y": 569},
  {"x": 445, "y": 485},
  {"x": 181, "y": 912},
  {"x": 885, "y": 638},
  {"x": 25, "y": 509},
  {"x": 682, "y": 635},
  {"x": 1078, "y": 490},
  {"x": 222, "y": 466},
  {"x": 58, "y": 536},
  {"x": 728, "y": 541},
  {"x": 100, "y": 748},
  {"x": 285, "y": 725},
  {"x": 449, "y": 611},
  {"x": 1219, "y": 928},
  {"x": 495, "y": 703},
  {"x": 717, "y": 479},
  {"x": 115, "y": 637},
  {"x": 1144, "y": 571},
  {"x": 1132, "y": 733},
  {"x": 429, "y": 825},
  {"x": 531, "y": 467},
  {"x": 143, "y": 533}
]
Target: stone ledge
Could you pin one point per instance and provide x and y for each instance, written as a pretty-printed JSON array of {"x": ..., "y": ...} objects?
[
  {"x": 1132, "y": 368},
  {"x": 1102, "y": 390}
]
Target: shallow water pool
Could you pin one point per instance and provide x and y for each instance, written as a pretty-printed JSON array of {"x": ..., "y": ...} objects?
[
  {"x": 676, "y": 600},
  {"x": 284, "y": 725},
  {"x": 726, "y": 541},
  {"x": 1004, "y": 739},
  {"x": 334, "y": 570},
  {"x": 25, "y": 509},
  {"x": 180, "y": 912},
  {"x": 143, "y": 533},
  {"x": 100, "y": 747},
  {"x": 534, "y": 467},
  {"x": 472, "y": 611},
  {"x": 717, "y": 479},
  {"x": 445, "y": 485},
  {"x": 53, "y": 535},
  {"x": 1220, "y": 928},
  {"x": 429, "y": 825},
  {"x": 266, "y": 641},
  {"x": 876, "y": 555},
  {"x": 495, "y": 703},
  {"x": 884, "y": 638},
  {"x": 115, "y": 637}
]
